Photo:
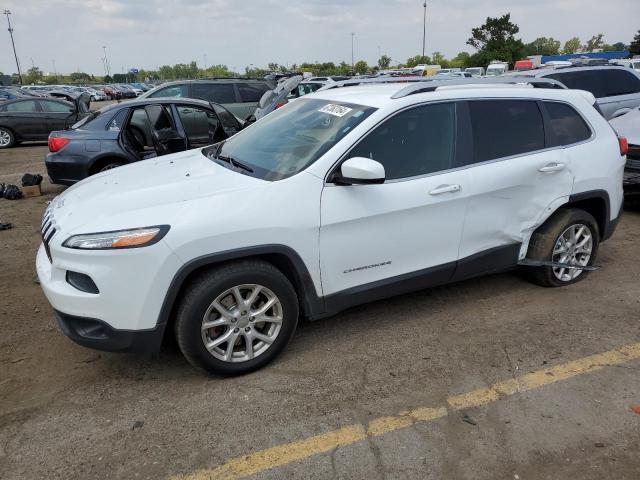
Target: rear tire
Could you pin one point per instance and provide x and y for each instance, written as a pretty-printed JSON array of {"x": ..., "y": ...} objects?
[
  {"x": 549, "y": 243},
  {"x": 210, "y": 312},
  {"x": 7, "y": 139}
]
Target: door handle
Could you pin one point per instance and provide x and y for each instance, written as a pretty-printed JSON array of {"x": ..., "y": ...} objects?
[
  {"x": 552, "y": 167},
  {"x": 445, "y": 189}
]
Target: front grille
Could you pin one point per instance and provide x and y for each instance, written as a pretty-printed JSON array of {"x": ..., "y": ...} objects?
[{"x": 48, "y": 230}]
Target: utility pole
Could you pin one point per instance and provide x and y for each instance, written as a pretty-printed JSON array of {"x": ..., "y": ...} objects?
[
  {"x": 7, "y": 13},
  {"x": 424, "y": 29},
  {"x": 352, "y": 62},
  {"x": 106, "y": 61}
]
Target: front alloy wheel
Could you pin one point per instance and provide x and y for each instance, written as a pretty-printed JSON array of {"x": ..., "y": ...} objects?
[
  {"x": 237, "y": 317},
  {"x": 242, "y": 323}
]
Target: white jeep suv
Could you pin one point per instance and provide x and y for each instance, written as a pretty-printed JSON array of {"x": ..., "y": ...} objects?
[{"x": 342, "y": 197}]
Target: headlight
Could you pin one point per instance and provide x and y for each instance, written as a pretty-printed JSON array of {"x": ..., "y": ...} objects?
[{"x": 133, "y": 238}]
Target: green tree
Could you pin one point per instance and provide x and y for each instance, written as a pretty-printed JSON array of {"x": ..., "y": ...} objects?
[
  {"x": 438, "y": 59},
  {"x": 80, "y": 77},
  {"x": 634, "y": 48},
  {"x": 361, "y": 67},
  {"x": 495, "y": 40},
  {"x": 572, "y": 45},
  {"x": 274, "y": 67},
  {"x": 384, "y": 62},
  {"x": 543, "y": 46},
  {"x": 417, "y": 60},
  {"x": 34, "y": 75},
  {"x": 594, "y": 43},
  {"x": 462, "y": 60}
]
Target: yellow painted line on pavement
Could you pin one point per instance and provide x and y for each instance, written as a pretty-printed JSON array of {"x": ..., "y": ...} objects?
[{"x": 284, "y": 454}]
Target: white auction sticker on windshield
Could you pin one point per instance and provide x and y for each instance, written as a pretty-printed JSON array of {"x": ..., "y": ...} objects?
[{"x": 336, "y": 110}]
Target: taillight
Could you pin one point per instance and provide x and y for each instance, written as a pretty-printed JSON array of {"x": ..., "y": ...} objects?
[
  {"x": 57, "y": 143},
  {"x": 280, "y": 105},
  {"x": 624, "y": 146}
]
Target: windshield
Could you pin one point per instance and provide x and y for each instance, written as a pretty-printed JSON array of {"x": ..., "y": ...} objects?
[{"x": 290, "y": 139}]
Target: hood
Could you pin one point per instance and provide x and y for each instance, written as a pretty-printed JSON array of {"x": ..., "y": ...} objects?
[
  {"x": 272, "y": 98},
  {"x": 628, "y": 126},
  {"x": 80, "y": 99},
  {"x": 145, "y": 193}
]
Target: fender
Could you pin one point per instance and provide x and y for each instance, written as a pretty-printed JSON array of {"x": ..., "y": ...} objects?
[{"x": 312, "y": 305}]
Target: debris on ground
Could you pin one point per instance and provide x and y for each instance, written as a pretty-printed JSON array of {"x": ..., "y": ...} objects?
[
  {"x": 599, "y": 445},
  {"x": 468, "y": 419},
  {"x": 31, "y": 179},
  {"x": 10, "y": 192},
  {"x": 137, "y": 424},
  {"x": 635, "y": 409},
  {"x": 6, "y": 226}
]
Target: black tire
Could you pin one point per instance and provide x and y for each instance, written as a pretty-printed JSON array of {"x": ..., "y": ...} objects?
[
  {"x": 544, "y": 239},
  {"x": 12, "y": 139},
  {"x": 205, "y": 288},
  {"x": 109, "y": 166}
]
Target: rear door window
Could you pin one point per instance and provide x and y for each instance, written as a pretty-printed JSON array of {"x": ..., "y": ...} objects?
[
  {"x": 214, "y": 92},
  {"x": 201, "y": 126},
  {"x": 565, "y": 126},
  {"x": 503, "y": 128},
  {"x": 180, "y": 91},
  {"x": 251, "y": 92},
  {"x": 414, "y": 142}
]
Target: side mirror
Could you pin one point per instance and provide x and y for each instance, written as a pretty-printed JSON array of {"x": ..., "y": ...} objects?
[{"x": 360, "y": 171}]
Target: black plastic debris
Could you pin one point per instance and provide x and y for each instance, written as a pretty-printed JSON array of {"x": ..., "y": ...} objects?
[
  {"x": 6, "y": 226},
  {"x": 11, "y": 192},
  {"x": 31, "y": 179}
]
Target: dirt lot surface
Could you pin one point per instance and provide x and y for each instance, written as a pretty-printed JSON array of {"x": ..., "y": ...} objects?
[{"x": 335, "y": 404}]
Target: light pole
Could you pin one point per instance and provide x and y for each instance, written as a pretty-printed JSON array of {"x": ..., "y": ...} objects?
[
  {"x": 352, "y": 63},
  {"x": 424, "y": 29},
  {"x": 55, "y": 72},
  {"x": 106, "y": 61},
  {"x": 7, "y": 13}
]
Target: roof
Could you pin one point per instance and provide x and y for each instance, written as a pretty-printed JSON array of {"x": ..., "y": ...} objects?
[
  {"x": 386, "y": 94},
  {"x": 138, "y": 102},
  {"x": 541, "y": 72}
]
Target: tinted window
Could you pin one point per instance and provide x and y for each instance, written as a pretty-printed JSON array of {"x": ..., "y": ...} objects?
[
  {"x": 117, "y": 122},
  {"x": 414, "y": 142},
  {"x": 502, "y": 128},
  {"x": 230, "y": 123},
  {"x": 57, "y": 107},
  {"x": 28, "y": 106},
  {"x": 620, "y": 82},
  {"x": 173, "y": 91},
  {"x": 252, "y": 92},
  {"x": 159, "y": 117},
  {"x": 565, "y": 125},
  {"x": 201, "y": 126},
  {"x": 589, "y": 80},
  {"x": 214, "y": 92}
]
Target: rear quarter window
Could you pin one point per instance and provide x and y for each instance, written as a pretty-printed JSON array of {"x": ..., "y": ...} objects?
[
  {"x": 180, "y": 91},
  {"x": 565, "y": 126},
  {"x": 620, "y": 82},
  {"x": 252, "y": 92},
  {"x": 214, "y": 92},
  {"x": 590, "y": 80}
]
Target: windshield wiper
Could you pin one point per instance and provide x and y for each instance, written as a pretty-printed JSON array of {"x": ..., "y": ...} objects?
[{"x": 236, "y": 163}]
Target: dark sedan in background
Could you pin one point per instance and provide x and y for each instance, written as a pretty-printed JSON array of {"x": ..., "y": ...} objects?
[
  {"x": 136, "y": 130},
  {"x": 33, "y": 118}
]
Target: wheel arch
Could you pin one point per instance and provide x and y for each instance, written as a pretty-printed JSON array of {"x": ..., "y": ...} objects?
[
  {"x": 597, "y": 203},
  {"x": 282, "y": 257},
  {"x": 102, "y": 160}
]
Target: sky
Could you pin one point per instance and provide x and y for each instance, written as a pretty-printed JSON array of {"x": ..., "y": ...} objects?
[{"x": 147, "y": 34}]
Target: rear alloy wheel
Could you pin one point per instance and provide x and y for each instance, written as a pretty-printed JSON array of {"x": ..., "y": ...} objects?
[
  {"x": 236, "y": 318},
  {"x": 569, "y": 237},
  {"x": 7, "y": 139}
]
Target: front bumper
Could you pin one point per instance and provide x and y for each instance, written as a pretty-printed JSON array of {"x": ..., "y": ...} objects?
[{"x": 96, "y": 334}]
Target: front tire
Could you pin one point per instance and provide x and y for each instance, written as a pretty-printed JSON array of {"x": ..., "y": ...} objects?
[
  {"x": 569, "y": 236},
  {"x": 7, "y": 139},
  {"x": 236, "y": 318}
]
